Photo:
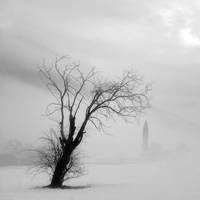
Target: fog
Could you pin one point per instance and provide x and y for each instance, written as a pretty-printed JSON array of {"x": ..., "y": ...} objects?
[{"x": 158, "y": 39}]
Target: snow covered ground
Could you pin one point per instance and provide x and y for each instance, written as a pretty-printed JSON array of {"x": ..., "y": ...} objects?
[{"x": 139, "y": 180}]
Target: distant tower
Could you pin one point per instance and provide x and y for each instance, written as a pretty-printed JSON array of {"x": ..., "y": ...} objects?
[{"x": 145, "y": 137}]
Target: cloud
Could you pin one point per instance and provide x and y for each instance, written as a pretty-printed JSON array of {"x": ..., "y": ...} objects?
[
  {"x": 174, "y": 14},
  {"x": 107, "y": 34},
  {"x": 113, "y": 36},
  {"x": 22, "y": 74},
  {"x": 188, "y": 38}
]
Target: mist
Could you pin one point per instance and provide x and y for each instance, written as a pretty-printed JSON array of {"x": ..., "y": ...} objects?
[{"x": 160, "y": 40}]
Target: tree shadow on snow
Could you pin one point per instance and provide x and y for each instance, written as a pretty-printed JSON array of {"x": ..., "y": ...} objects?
[{"x": 74, "y": 187}]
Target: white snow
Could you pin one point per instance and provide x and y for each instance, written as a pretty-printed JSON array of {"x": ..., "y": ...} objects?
[{"x": 141, "y": 180}]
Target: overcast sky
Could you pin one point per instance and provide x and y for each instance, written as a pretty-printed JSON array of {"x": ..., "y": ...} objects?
[{"x": 159, "y": 39}]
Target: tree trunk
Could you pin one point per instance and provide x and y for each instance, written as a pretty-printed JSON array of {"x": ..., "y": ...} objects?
[
  {"x": 61, "y": 167},
  {"x": 60, "y": 170}
]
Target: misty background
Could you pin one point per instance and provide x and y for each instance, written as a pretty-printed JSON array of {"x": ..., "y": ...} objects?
[{"x": 159, "y": 39}]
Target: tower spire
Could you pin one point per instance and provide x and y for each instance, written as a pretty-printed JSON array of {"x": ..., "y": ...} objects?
[{"x": 145, "y": 136}]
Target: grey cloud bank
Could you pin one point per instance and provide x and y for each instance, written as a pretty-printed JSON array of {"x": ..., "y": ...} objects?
[{"x": 160, "y": 39}]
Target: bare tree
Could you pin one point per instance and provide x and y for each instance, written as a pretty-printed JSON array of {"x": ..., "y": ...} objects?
[
  {"x": 81, "y": 98},
  {"x": 49, "y": 154}
]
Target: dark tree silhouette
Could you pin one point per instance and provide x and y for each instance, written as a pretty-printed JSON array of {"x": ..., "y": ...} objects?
[
  {"x": 82, "y": 98},
  {"x": 49, "y": 154}
]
